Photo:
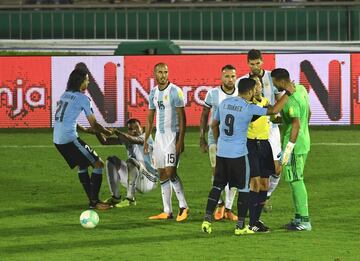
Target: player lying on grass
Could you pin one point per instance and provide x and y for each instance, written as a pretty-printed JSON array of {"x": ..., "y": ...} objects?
[{"x": 135, "y": 173}]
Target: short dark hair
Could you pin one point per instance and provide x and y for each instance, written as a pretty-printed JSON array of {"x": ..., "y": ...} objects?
[
  {"x": 254, "y": 54},
  {"x": 228, "y": 67},
  {"x": 76, "y": 78},
  {"x": 280, "y": 74},
  {"x": 133, "y": 120},
  {"x": 245, "y": 85}
]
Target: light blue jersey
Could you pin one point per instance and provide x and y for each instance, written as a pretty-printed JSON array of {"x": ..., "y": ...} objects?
[
  {"x": 165, "y": 103},
  {"x": 137, "y": 151},
  {"x": 234, "y": 115},
  {"x": 68, "y": 109},
  {"x": 212, "y": 100}
]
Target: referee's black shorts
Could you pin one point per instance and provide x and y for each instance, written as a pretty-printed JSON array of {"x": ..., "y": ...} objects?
[
  {"x": 77, "y": 153},
  {"x": 234, "y": 171},
  {"x": 260, "y": 158}
]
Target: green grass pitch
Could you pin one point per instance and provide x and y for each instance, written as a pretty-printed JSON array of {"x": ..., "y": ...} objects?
[{"x": 41, "y": 201}]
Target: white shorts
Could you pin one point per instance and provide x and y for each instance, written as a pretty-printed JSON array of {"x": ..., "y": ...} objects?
[
  {"x": 165, "y": 150},
  {"x": 275, "y": 141},
  {"x": 145, "y": 182}
]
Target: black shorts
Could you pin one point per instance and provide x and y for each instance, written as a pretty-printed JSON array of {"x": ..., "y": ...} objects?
[
  {"x": 234, "y": 171},
  {"x": 260, "y": 158},
  {"x": 77, "y": 153}
]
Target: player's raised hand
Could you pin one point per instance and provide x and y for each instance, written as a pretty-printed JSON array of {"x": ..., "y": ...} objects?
[
  {"x": 146, "y": 147},
  {"x": 203, "y": 145},
  {"x": 290, "y": 87}
]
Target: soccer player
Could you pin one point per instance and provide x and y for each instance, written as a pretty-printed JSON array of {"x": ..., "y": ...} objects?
[
  {"x": 230, "y": 127},
  {"x": 261, "y": 161},
  {"x": 270, "y": 92},
  {"x": 296, "y": 146},
  {"x": 212, "y": 101},
  {"x": 166, "y": 100},
  {"x": 137, "y": 172},
  {"x": 75, "y": 151}
]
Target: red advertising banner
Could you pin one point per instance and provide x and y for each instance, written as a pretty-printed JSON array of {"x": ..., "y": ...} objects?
[
  {"x": 195, "y": 74},
  {"x": 355, "y": 87},
  {"x": 25, "y": 92}
]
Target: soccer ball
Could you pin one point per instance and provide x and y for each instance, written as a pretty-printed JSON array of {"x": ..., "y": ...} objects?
[{"x": 89, "y": 219}]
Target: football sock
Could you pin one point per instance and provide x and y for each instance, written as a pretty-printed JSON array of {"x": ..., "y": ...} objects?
[
  {"x": 166, "y": 195},
  {"x": 261, "y": 203},
  {"x": 301, "y": 198},
  {"x": 273, "y": 183},
  {"x": 85, "y": 181},
  {"x": 179, "y": 191},
  {"x": 96, "y": 179},
  {"x": 213, "y": 198},
  {"x": 113, "y": 179},
  {"x": 220, "y": 201},
  {"x": 243, "y": 205},
  {"x": 133, "y": 174},
  {"x": 253, "y": 207},
  {"x": 230, "y": 194}
]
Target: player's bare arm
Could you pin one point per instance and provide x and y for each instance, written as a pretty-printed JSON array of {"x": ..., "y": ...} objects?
[
  {"x": 290, "y": 89},
  {"x": 204, "y": 128},
  {"x": 84, "y": 129},
  {"x": 215, "y": 128},
  {"x": 98, "y": 128},
  {"x": 148, "y": 129},
  {"x": 127, "y": 138},
  {"x": 182, "y": 124}
]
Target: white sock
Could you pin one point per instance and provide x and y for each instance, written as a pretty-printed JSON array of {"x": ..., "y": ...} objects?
[
  {"x": 133, "y": 174},
  {"x": 229, "y": 196},
  {"x": 166, "y": 195},
  {"x": 179, "y": 191},
  {"x": 113, "y": 179},
  {"x": 273, "y": 183}
]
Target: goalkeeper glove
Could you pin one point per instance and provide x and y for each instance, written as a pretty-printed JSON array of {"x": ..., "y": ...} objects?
[{"x": 287, "y": 153}]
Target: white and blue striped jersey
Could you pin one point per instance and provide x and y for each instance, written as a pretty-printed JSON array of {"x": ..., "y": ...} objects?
[
  {"x": 165, "y": 103},
  {"x": 68, "y": 109},
  {"x": 212, "y": 100},
  {"x": 137, "y": 151},
  {"x": 269, "y": 90},
  {"x": 234, "y": 115}
]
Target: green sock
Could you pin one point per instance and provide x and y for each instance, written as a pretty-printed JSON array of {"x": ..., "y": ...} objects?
[
  {"x": 296, "y": 205},
  {"x": 301, "y": 199}
]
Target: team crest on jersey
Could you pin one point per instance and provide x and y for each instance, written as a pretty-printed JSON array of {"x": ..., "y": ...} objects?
[
  {"x": 291, "y": 111},
  {"x": 166, "y": 97}
]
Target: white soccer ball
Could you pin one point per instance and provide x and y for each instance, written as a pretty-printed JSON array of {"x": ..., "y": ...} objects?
[{"x": 89, "y": 219}]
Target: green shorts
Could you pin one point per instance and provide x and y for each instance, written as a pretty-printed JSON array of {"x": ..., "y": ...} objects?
[{"x": 294, "y": 170}]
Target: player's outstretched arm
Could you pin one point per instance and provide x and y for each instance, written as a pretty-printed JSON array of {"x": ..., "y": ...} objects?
[
  {"x": 127, "y": 138},
  {"x": 98, "y": 128},
  {"x": 83, "y": 129},
  {"x": 203, "y": 128},
  {"x": 148, "y": 129}
]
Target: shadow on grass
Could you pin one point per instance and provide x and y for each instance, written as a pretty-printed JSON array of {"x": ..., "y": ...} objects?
[
  {"x": 106, "y": 243},
  {"x": 29, "y": 211}
]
